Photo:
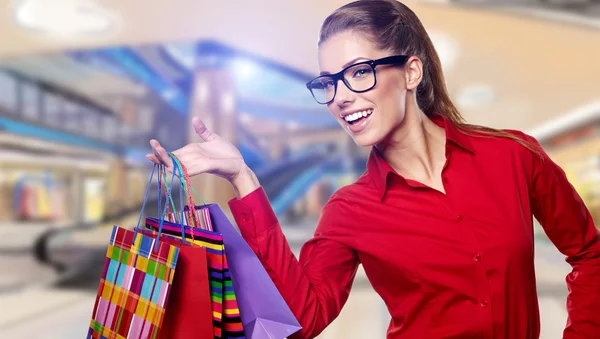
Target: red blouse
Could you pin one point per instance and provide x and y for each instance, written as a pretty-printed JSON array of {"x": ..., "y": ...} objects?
[{"x": 454, "y": 265}]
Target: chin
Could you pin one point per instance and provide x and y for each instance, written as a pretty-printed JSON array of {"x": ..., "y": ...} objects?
[{"x": 366, "y": 140}]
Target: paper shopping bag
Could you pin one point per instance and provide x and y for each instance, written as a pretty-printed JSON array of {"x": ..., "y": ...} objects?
[
  {"x": 134, "y": 286},
  {"x": 264, "y": 312}
]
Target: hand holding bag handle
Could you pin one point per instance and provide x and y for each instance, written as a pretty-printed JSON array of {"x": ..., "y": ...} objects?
[{"x": 186, "y": 182}]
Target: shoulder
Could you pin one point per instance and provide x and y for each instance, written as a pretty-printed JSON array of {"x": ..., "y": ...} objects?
[
  {"x": 510, "y": 142},
  {"x": 342, "y": 198},
  {"x": 512, "y": 150}
]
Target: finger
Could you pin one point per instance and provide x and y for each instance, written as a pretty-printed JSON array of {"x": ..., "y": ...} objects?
[
  {"x": 155, "y": 146},
  {"x": 161, "y": 154},
  {"x": 164, "y": 157},
  {"x": 153, "y": 158},
  {"x": 202, "y": 130}
]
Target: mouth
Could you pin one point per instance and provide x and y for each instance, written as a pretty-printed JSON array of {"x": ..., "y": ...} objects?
[{"x": 358, "y": 116}]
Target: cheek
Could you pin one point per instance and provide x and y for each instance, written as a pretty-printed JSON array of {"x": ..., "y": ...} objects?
[{"x": 391, "y": 100}]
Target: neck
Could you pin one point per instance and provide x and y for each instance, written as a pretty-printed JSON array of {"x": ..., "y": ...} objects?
[{"x": 417, "y": 148}]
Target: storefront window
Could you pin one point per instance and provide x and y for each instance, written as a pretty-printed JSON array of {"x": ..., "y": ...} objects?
[
  {"x": 52, "y": 109},
  {"x": 30, "y": 101},
  {"x": 8, "y": 93},
  {"x": 90, "y": 121},
  {"x": 71, "y": 116},
  {"x": 110, "y": 128}
]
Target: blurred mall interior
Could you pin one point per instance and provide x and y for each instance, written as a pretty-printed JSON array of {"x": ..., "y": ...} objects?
[{"x": 84, "y": 85}]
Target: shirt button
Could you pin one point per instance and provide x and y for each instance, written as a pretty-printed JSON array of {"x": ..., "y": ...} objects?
[
  {"x": 445, "y": 180},
  {"x": 245, "y": 217},
  {"x": 484, "y": 303},
  {"x": 459, "y": 217},
  {"x": 477, "y": 257}
]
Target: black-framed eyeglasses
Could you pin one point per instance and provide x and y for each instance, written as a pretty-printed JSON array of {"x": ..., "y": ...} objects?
[{"x": 359, "y": 77}]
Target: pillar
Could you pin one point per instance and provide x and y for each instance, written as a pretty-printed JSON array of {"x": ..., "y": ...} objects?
[
  {"x": 213, "y": 100},
  {"x": 117, "y": 188}
]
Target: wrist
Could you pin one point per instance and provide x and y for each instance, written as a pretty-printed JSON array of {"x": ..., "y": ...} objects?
[{"x": 245, "y": 182}]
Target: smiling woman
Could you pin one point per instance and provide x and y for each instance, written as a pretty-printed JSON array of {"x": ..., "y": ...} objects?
[{"x": 441, "y": 221}]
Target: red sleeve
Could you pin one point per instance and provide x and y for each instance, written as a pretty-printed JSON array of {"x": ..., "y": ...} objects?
[
  {"x": 315, "y": 287},
  {"x": 569, "y": 225}
]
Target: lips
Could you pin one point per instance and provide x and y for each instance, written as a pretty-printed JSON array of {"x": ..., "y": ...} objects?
[
  {"x": 357, "y": 121},
  {"x": 356, "y": 116}
]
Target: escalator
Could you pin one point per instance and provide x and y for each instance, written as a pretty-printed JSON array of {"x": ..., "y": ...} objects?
[
  {"x": 249, "y": 146},
  {"x": 286, "y": 191},
  {"x": 77, "y": 252},
  {"x": 275, "y": 181}
]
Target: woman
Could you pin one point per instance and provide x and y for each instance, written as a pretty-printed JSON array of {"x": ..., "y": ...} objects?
[{"x": 441, "y": 220}]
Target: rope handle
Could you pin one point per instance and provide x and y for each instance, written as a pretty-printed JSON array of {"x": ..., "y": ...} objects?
[
  {"x": 168, "y": 194},
  {"x": 193, "y": 213}
]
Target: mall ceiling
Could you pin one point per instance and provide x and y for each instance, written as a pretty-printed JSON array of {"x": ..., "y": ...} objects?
[{"x": 504, "y": 68}]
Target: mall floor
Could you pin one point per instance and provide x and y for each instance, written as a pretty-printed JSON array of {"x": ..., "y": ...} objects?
[{"x": 31, "y": 309}]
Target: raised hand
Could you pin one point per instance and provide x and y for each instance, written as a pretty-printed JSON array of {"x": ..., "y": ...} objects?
[{"x": 215, "y": 155}]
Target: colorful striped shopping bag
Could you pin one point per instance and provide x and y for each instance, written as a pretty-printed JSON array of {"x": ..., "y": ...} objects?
[
  {"x": 134, "y": 288},
  {"x": 226, "y": 314}
]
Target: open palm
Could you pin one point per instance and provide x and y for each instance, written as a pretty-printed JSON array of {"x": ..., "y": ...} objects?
[{"x": 215, "y": 155}]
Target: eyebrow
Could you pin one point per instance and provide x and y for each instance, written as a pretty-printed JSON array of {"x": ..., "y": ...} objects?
[{"x": 348, "y": 64}]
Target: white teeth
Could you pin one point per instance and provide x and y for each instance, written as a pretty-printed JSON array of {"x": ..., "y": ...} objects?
[{"x": 357, "y": 115}]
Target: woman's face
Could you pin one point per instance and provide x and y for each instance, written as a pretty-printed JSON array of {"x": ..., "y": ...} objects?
[{"x": 381, "y": 110}]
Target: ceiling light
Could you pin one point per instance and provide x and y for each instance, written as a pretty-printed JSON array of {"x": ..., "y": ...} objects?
[
  {"x": 64, "y": 18},
  {"x": 244, "y": 69}
]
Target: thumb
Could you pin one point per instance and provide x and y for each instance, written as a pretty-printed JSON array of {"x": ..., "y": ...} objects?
[{"x": 202, "y": 130}]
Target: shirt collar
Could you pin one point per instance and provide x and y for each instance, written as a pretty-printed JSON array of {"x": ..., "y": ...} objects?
[{"x": 379, "y": 169}]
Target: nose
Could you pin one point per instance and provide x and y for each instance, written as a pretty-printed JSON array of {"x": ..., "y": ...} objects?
[{"x": 343, "y": 95}]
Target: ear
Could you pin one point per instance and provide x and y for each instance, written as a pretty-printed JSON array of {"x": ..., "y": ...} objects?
[{"x": 414, "y": 72}]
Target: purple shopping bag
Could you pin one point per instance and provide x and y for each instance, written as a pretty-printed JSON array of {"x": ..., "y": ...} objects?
[{"x": 264, "y": 312}]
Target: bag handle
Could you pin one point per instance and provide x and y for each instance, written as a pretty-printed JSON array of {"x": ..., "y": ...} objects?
[
  {"x": 164, "y": 177},
  {"x": 186, "y": 185},
  {"x": 177, "y": 219},
  {"x": 137, "y": 227}
]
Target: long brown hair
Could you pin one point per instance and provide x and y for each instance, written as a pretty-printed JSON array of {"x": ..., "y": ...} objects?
[{"x": 395, "y": 27}]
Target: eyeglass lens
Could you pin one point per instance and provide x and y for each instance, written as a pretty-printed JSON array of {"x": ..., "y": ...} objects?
[{"x": 358, "y": 78}]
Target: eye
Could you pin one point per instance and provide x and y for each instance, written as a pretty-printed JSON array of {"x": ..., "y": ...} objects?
[
  {"x": 361, "y": 72},
  {"x": 328, "y": 84}
]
